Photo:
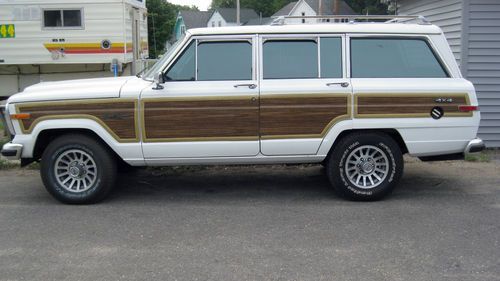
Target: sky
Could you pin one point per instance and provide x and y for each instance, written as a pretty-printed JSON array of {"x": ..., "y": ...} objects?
[{"x": 201, "y": 4}]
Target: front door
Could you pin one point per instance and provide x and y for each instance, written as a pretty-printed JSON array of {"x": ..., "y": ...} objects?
[{"x": 209, "y": 104}]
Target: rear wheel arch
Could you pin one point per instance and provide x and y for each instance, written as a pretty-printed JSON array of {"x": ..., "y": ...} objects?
[{"x": 393, "y": 133}]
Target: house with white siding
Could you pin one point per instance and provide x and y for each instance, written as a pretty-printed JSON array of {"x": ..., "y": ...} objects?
[
  {"x": 472, "y": 28},
  {"x": 309, "y": 8},
  {"x": 227, "y": 17}
]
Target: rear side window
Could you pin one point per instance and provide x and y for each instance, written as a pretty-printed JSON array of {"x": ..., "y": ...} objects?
[
  {"x": 331, "y": 57},
  {"x": 290, "y": 59},
  {"x": 394, "y": 58}
]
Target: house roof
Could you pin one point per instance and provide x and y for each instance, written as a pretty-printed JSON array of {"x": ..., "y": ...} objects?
[
  {"x": 229, "y": 14},
  {"x": 259, "y": 21},
  {"x": 285, "y": 11},
  {"x": 344, "y": 8},
  {"x": 194, "y": 19}
]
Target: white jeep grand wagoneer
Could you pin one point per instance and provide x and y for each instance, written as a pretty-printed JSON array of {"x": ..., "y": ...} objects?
[{"x": 353, "y": 96}]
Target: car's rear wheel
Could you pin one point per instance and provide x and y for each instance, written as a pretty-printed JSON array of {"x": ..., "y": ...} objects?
[
  {"x": 77, "y": 169},
  {"x": 365, "y": 166}
]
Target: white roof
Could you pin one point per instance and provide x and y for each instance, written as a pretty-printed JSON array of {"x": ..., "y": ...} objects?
[{"x": 394, "y": 28}]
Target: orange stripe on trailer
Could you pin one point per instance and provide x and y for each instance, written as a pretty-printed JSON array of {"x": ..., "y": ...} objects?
[{"x": 87, "y": 48}]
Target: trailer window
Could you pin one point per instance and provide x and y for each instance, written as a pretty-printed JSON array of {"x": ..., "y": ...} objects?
[{"x": 62, "y": 18}]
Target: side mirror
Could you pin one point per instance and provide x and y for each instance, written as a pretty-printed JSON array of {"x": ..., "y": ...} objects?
[{"x": 158, "y": 79}]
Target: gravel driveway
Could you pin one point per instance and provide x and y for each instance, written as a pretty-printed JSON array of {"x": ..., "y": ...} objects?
[{"x": 256, "y": 223}]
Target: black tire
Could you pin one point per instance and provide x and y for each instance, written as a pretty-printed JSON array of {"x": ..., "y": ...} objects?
[
  {"x": 353, "y": 145},
  {"x": 105, "y": 168}
]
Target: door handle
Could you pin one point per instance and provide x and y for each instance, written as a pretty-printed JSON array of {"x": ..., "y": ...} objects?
[
  {"x": 250, "y": 86},
  {"x": 343, "y": 84}
]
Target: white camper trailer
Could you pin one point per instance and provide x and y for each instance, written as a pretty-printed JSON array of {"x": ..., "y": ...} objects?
[{"x": 50, "y": 40}]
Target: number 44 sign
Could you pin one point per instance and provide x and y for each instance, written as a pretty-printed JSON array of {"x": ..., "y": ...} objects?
[{"x": 7, "y": 31}]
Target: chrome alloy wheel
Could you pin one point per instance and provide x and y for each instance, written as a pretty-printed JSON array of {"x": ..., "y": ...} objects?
[
  {"x": 367, "y": 166},
  {"x": 75, "y": 170}
]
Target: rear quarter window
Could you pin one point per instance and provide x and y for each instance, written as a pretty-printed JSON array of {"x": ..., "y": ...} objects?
[{"x": 394, "y": 58}]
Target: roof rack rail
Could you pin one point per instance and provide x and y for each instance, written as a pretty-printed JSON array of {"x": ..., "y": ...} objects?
[{"x": 355, "y": 18}]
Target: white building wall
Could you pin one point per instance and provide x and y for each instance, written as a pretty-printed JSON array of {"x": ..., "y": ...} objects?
[
  {"x": 217, "y": 18},
  {"x": 447, "y": 14},
  {"x": 482, "y": 63},
  {"x": 302, "y": 9}
]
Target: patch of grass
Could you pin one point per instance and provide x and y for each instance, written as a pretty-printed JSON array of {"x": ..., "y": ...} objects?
[
  {"x": 5, "y": 164},
  {"x": 478, "y": 157}
]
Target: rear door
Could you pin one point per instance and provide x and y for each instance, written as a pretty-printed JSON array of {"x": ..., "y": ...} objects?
[{"x": 304, "y": 91}]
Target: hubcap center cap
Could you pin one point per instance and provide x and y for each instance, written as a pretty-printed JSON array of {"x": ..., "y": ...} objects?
[
  {"x": 76, "y": 171},
  {"x": 367, "y": 167}
]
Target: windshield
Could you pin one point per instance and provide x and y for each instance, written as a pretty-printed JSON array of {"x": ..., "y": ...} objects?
[{"x": 149, "y": 74}]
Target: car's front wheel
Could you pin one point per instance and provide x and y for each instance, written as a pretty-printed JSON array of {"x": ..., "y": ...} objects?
[
  {"x": 365, "y": 166},
  {"x": 77, "y": 169}
]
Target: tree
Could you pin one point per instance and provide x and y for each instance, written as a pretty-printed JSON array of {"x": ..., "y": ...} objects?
[
  {"x": 370, "y": 7},
  {"x": 162, "y": 16}
]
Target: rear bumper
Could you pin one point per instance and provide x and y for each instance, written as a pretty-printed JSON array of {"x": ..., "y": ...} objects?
[
  {"x": 12, "y": 151},
  {"x": 475, "y": 145}
]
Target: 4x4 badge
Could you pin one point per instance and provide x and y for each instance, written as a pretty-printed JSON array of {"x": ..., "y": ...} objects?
[{"x": 444, "y": 100}]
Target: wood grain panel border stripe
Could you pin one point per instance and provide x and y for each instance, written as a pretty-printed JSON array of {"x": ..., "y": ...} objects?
[
  {"x": 401, "y": 106},
  {"x": 26, "y": 107}
]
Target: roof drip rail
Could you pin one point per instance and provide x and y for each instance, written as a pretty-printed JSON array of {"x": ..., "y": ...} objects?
[{"x": 281, "y": 20}]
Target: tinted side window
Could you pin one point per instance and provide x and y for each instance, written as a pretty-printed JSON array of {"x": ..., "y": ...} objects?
[
  {"x": 331, "y": 57},
  {"x": 288, "y": 59},
  {"x": 224, "y": 61},
  {"x": 184, "y": 68},
  {"x": 393, "y": 58}
]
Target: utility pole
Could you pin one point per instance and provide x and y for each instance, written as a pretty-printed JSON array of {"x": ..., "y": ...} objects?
[
  {"x": 238, "y": 12},
  {"x": 336, "y": 5},
  {"x": 320, "y": 8}
]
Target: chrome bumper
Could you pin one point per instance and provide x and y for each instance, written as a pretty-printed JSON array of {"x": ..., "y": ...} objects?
[
  {"x": 12, "y": 151},
  {"x": 475, "y": 145}
]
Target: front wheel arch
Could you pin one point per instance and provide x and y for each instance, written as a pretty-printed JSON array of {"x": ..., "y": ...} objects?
[{"x": 48, "y": 135}]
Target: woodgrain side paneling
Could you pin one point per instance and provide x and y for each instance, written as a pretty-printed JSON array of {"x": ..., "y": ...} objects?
[
  {"x": 199, "y": 119},
  {"x": 301, "y": 116},
  {"x": 118, "y": 117},
  {"x": 407, "y": 105}
]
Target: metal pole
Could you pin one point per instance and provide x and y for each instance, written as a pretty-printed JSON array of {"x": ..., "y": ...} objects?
[
  {"x": 238, "y": 12},
  {"x": 154, "y": 35}
]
